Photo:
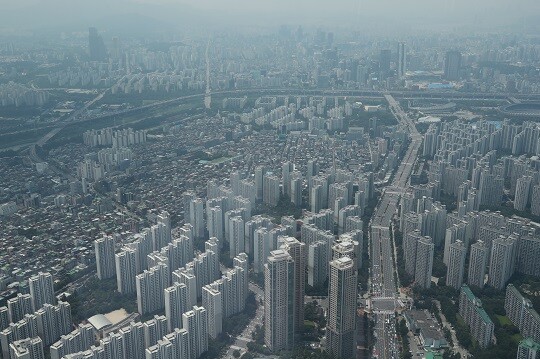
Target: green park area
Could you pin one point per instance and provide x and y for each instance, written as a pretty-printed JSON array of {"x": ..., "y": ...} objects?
[{"x": 99, "y": 297}]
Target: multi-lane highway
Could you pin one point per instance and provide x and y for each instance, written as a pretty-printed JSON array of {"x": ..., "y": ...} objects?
[
  {"x": 208, "y": 93},
  {"x": 383, "y": 269},
  {"x": 80, "y": 115},
  {"x": 385, "y": 329}
]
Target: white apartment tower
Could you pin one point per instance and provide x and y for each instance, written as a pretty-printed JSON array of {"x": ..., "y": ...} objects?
[
  {"x": 126, "y": 270},
  {"x": 196, "y": 323},
  {"x": 196, "y": 212},
  {"x": 503, "y": 261},
  {"x": 104, "y": 248},
  {"x": 424, "y": 262},
  {"x": 342, "y": 308},
  {"x": 236, "y": 236},
  {"x": 456, "y": 265},
  {"x": 279, "y": 301},
  {"x": 297, "y": 250},
  {"x": 212, "y": 301},
  {"x": 42, "y": 289},
  {"x": 176, "y": 304},
  {"x": 271, "y": 190},
  {"x": 478, "y": 261},
  {"x": 30, "y": 348},
  {"x": 150, "y": 286}
]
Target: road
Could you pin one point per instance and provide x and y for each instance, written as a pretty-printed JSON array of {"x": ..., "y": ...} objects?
[
  {"x": 384, "y": 291},
  {"x": 73, "y": 117},
  {"x": 457, "y": 348},
  {"x": 241, "y": 341},
  {"x": 385, "y": 338},
  {"x": 416, "y": 348},
  {"x": 207, "y": 94},
  {"x": 295, "y": 92}
]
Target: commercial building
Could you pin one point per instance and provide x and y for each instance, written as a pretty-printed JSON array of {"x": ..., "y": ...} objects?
[
  {"x": 385, "y": 57},
  {"x": 452, "y": 65},
  {"x": 429, "y": 331},
  {"x": 402, "y": 60},
  {"x": 96, "y": 46}
]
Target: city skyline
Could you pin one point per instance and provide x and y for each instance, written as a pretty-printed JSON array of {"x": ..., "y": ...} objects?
[{"x": 427, "y": 14}]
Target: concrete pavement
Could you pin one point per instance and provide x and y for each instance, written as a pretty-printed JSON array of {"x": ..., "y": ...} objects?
[
  {"x": 456, "y": 347},
  {"x": 241, "y": 341}
]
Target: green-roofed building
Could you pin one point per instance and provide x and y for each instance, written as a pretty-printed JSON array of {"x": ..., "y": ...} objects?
[
  {"x": 528, "y": 349},
  {"x": 479, "y": 322},
  {"x": 433, "y": 355}
]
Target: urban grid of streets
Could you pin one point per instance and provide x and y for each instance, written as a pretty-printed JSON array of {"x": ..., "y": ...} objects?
[
  {"x": 383, "y": 273},
  {"x": 163, "y": 84},
  {"x": 383, "y": 269}
]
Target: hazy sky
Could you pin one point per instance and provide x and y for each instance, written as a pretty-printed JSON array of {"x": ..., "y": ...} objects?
[{"x": 267, "y": 13}]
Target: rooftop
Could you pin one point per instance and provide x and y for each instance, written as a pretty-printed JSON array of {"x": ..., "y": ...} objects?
[
  {"x": 99, "y": 322},
  {"x": 529, "y": 343}
]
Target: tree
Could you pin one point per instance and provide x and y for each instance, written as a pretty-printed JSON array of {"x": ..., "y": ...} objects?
[
  {"x": 305, "y": 353},
  {"x": 403, "y": 332},
  {"x": 449, "y": 355},
  {"x": 258, "y": 335},
  {"x": 236, "y": 353}
]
